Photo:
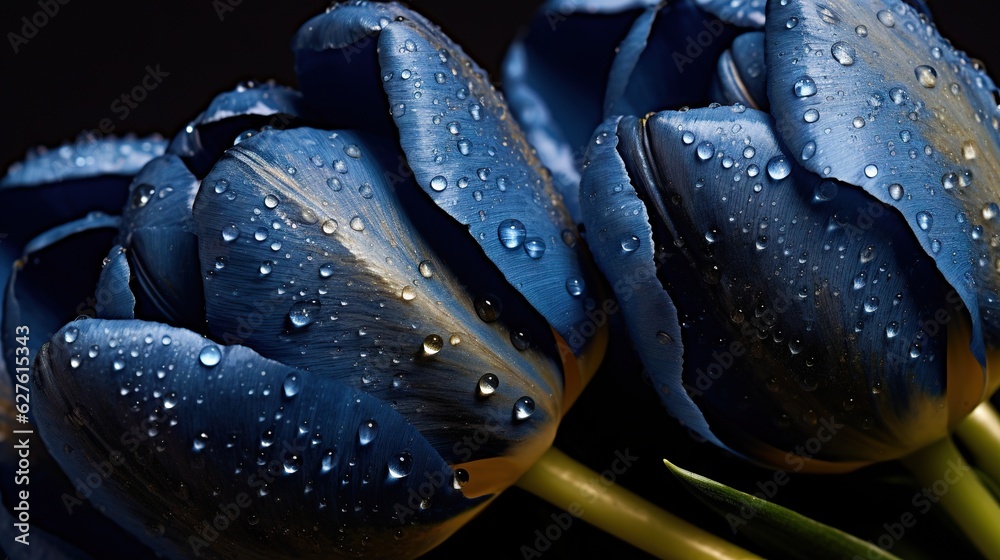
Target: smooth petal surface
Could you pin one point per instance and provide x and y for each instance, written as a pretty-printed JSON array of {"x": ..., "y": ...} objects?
[
  {"x": 297, "y": 465},
  {"x": 741, "y": 73},
  {"x": 114, "y": 297},
  {"x": 869, "y": 93},
  {"x": 309, "y": 258},
  {"x": 161, "y": 237},
  {"x": 799, "y": 297},
  {"x": 231, "y": 114}
]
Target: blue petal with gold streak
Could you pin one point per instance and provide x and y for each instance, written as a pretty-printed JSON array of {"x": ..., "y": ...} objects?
[
  {"x": 467, "y": 153},
  {"x": 188, "y": 432},
  {"x": 312, "y": 256},
  {"x": 160, "y": 235},
  {"x": 803, "y": 299},
  {"x": 882, "y": 101}
]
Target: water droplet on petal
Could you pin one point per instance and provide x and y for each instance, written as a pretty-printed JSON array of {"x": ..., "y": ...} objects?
[
  {"x": 271, "y": 201},
  {"x": 488, "y": 308},
  {"x": 292, "y": 385},
  {"x": 303, "y": 313},
  {"x": 70, "y": 335},
  {"x": 705, "y": 151},
  {"x": 925, "y": 220},
  {"x": 574, "y": 286},
  {"x": 511, "y": 233},
  {"x": 896, "y": 191},
  {"x": 778, "y": 168},
  {"x": 487, "y": 385},
  {"x": 367, "y": 432},
  {"x": 433, "y": 344},
  {"x": 408, "y": 293},
  {"x": 926, "y": 75},
  {"x": 210, "y": 356},
  {"x": 843, "y": 53},
  {"x": 230, "y": 233},
  {"x": 400, "y": 465},
  {"x": 439, "y": 183},
  {"x": 886, "y": 18},
  {"x": 534, "y": 247},
  {"x": 630, "y": 243},
  {"x": 524, "y": 408},
  {"x": 804, "y": 87}
]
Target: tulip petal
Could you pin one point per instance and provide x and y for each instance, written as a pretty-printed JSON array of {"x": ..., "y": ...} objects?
[
  {"x": 37, "y": 293},
  {"x": 309, "y": 258},
  {"x": 337, "y": 66},
  {"x": 114, "y": 297},
  {"x": 803, "y": 299},
  {"x": 880, "y": 100},
  {"x": 661, "y": 62},
  {"x": 84, "y": 159},
  {"x": 160, "y": 236},
  {"x": 745, "y": 13},
  {"x": 741, "y": 73},
  {"x": 249, "y": 106},
  {"x": 620, "y": 236},
  {"x": 293, "y": 463},
  {"x": 474, "y": 162},
  {"x": 555, "y": 77},
  {"x": 67, "y": 182}
]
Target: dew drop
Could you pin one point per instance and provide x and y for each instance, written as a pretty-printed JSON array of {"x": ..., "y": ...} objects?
[
  {"x": 871, "y": 170},
  {"x": 896, "y": 191},
  {"x": 426, "y": 269},
  {"x": 705, "y": 151},
  {"x": 534, "y": 247},
  {"x": 357, "y": 224},
  {"x": 630, "y": 243},
  {"x": 271, "y": 201},
  {"x": 488, "y": 308},
  {"x": 210, "y": 356},
  {"x": 687, "y": 138},
  {"x": 843, "y": 53},
  {"x": 230, "y": 233},
  {"x": 367, "y": 432},
  {"x": 574, "y": 286},
  {"x": 143, "y": 194},
  {"x": 400, "y": 465},
  {"x": 511, "y": 233},
  {"x": 926, "y": 75},
  {"x": 303, "y": 313},
  {"x": 292, "y": 385},
  {"x": 804, "y": 87},
  {"x": 778, "y": 168},
  {"x": 925, "y": 220},
  {"x": 524, "y": 408},
  {"x": 439, "y": 183},
  {"x": 266, "y": 267},
  {"x": 886, "y": 18},
  {"x": 487, "y": 385},
  {"x": 810, "y": 116},
  {"x": 433, "y": 344},
  {"x": 71, "y": 334}
]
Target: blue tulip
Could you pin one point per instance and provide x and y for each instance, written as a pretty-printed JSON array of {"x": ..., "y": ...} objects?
[
  {"x": 809, "y": 270},
  {"x": 342, "y": 333}
]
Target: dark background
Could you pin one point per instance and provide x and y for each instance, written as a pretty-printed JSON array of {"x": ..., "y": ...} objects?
[{"x": 64, "y": 80}]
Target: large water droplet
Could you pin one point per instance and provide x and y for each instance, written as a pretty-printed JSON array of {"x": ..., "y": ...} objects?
[
  {"x": 142, "y": 194},
  {"x": 896, "y": 191},
  {"x": 524, "y": 408},
  {"x": 210, "y": 356},
  {"x": 487, "y": 385},
  {"x": 804, "y": 87},
  {"x": 778, "y": 168},
  {"x": 70, "y": 335},
  {"x": 705, "y": 151},
  {"x": 328, "y": 461},
  {"x": 329, "y": 227},
  {"x": 303, "y": 313},
  {"x": 629, "y": 243},
  {"x": 488, "y": 308},
  {"x": 230, "y": 233},
  {"x": 886, "y": 18},
  {"x": 511, "y": 233},
  {"x": 926, "y": 75},
  {"x": 271, "y": 201},
  {"x": 400, "y": 464},
  {"x": 439, "y": 183},
  {"x": 574, "y": 286},
  {"x": 843, "y": 53},
  {"x": 925, "y": 220},
  {"x": 367, "y": 432},
  {"x": 292, "y": 385},
  {"x": 433, "y": 344},
  {"x": 534, "y": 247}
]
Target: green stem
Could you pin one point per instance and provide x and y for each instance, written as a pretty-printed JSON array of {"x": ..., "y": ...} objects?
[
  {"x": 980, "y": 432},
  {"x": 946, "y": 477},
  {"x": 565, "y": 483}
]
